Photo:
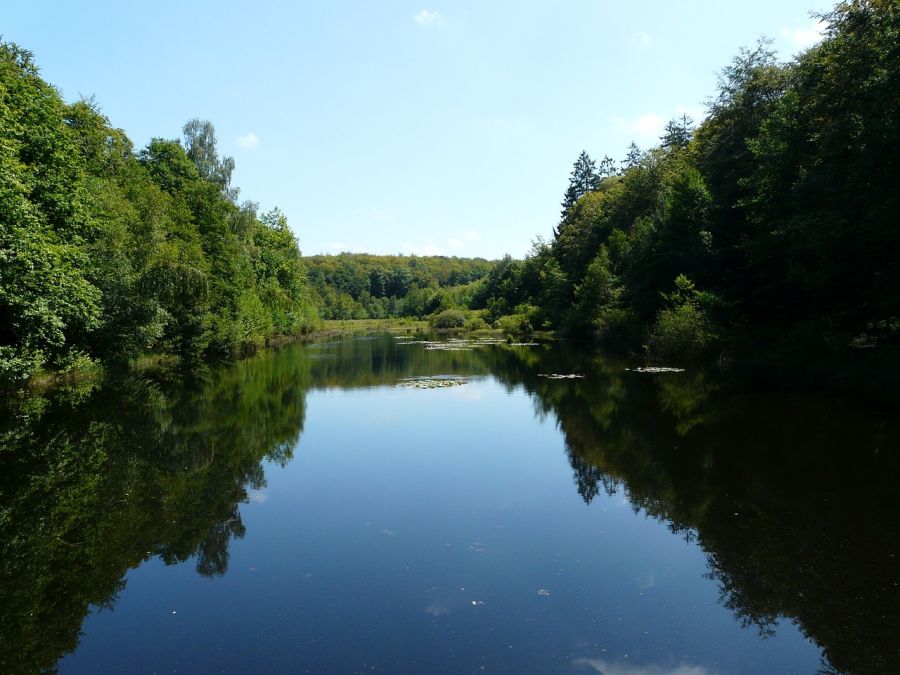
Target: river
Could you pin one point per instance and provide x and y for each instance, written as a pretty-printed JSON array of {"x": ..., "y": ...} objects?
[{"x": 388, "y": 504}]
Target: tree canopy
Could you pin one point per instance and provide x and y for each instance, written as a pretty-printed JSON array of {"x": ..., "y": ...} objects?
[
  {"x": 775, "y": 221},
  {"x": 108, "y": 253}
]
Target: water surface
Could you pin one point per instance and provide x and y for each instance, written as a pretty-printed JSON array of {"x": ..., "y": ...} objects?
[{"x": 316, "y": 510}]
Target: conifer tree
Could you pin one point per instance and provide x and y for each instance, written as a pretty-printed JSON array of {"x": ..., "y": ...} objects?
[
  {"x": 678, "y": 132},
  {"x": 633, "y": 158},
  {"x": 583, "y": 179},
  {"x": 607, "y": 167}
]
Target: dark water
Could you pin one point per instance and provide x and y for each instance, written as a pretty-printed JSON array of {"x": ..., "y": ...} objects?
[{"x": 306, "y": 511}]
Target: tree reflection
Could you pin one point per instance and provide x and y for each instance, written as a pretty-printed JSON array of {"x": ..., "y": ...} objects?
[
  {"x": 96, "y": 479},
  {"x": 212, "y": 553},
  {"x": 792, "y": 497}
]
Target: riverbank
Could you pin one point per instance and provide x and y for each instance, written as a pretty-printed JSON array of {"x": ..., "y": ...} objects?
[{"x": 332, "y": 328}]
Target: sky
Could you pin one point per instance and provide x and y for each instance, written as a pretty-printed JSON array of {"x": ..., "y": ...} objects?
[{"x": 427, "y": 128}]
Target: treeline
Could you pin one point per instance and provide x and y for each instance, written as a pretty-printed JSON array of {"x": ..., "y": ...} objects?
[
  {"x": 775, "y": 222},
  {"x": 107, "y": 253},
  {"x": 363, "y": 286}
]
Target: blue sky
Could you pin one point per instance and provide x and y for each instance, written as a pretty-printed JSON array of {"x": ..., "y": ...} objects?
[{"x": 403, "y": 127}]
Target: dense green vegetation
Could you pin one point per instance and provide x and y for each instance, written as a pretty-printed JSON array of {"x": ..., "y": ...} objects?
[
  {"x": 107, "y": 253},
  {"x": 363, "y": 286},
  {"x": 771, "y": 224},
  {"x": 775, "y": 222}
]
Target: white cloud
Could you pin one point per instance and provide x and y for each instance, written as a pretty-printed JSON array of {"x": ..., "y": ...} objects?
[
  {"x": 249, "y": 141},
  {"x": 647, "y": 129},
  {"x": 644, "y": 128},
  {"x": 464, "y": 238},
  {"x": 803, "y": 38},
  {"x": 647, "y": 124},
  {"x": 460, "y": 240},
  {"x": 428, "y": 18},
  {"x": 641, "y": 39}
]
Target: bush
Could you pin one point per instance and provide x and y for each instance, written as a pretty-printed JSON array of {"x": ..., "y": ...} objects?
[
  {"x": 683, "y": 331},
  {"x": 476, "y": 323},
  {"x": 449, "y": 318},
  {"x": 617, "y": 327},
  {"x": 514, "y": 324}
]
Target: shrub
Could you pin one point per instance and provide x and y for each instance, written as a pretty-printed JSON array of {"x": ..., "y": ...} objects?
[
  {"x": 449, "y": 318},
  {"x": 513, "y": 324},
  {"x": 476, "y": 323},
  {"x": 617, "y": 327},
  {"x": 685, "y": 328},
  {"x": 683, "y": 331}
]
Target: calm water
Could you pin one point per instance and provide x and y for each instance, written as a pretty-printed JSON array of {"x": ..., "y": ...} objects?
[{"x": 311, "y": 511}]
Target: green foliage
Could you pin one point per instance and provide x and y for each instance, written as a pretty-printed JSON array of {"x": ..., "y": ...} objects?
[
  {"x": 683, "y": 328},
  {"x": 523, "y": 321},
  {"x": 583, "y": 179},
  {"x": 598, "y": 290},
  {"x": 783, "y": 203},
  {"x": 476, "y": 323},
  {"x": 363, "y": 286},
  {"x": 107, "y": 254},
  {"x": 449, "y": 318}
]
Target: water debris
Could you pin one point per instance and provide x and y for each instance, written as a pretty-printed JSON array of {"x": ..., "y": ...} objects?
[
  {"x": 388, "y": 533},
  {"x": 544, "y": 592},
  {"x": 524, "y": 344},
  {"x": 558, "y": 376},
  {"x": 476, "y": 603},
  {"x": 656, "y": 369},
  {"x": 454, "y": 344},
  {"x": 432, "y": 382}
]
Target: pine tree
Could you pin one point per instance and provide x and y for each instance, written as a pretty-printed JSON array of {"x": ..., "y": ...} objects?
[
  {"x": 678, "y": 133},
  {"x": 633, "y": 158},
  {"x": 607, "y": 167},
  {"x": 583, "y": 179}
]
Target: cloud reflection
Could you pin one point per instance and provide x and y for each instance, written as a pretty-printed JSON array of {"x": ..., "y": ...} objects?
[{"x": 619, "y": 668}]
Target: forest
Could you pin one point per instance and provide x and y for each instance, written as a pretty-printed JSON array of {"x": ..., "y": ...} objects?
[
  {"x": 770, "y": 225},
  {"x": 363, "y": 286},
  {"x": 773, "y": 224},
  {"x": 108, "y": 253},
  {"x": 111, "y": 253}
]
